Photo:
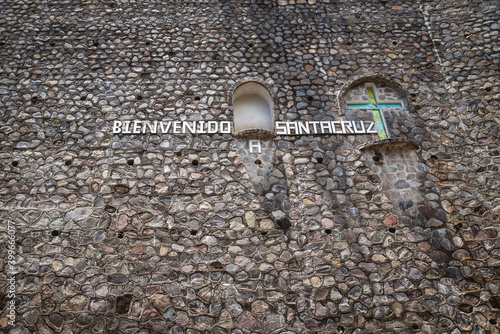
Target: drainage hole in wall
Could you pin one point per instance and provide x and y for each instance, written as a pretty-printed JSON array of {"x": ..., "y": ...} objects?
[
  {"x": 434, "y": 157},
  {"x": 258, "y": 162},
  {"x": 250, "y": 45},
  {"x": 15, "y": 163},
  {"x": 52, "y": 44},
  {"x": 376, "y": 158},
  {"x": 120, "y": 235},
  {"x": 309, "y": 98},
  {"x": 130, "y": 162},
  {"x": 488, "y": 89},
  {"x": 55, "y": 233},
  {"x": 195, "y": 162},
  {"x": 197, "y": 98},
  {"x": 263, "y": 233},
  {"x": 34, "y": 99},
  {"x": 194, "y": 232},
  {"x": 392, "y": 229},
  {"x": 493, "y": 321},
  {"x": 68, "y": 162},
  {"x": 394, "y": 42},
  {"x": 83, "y": 98},
  {"x": 328, "y": 231},
  {"x": 319, "y": 160},
  {"x": 139, "y": 97},
  {"x": 414, "y": 326}
]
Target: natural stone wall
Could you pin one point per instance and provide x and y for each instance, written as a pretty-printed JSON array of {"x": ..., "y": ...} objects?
[{"x": 194, "y": 233}]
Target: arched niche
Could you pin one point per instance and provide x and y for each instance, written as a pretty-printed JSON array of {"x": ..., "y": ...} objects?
[
  {"x": 253, "y": 108},
  {"x": 384, "y": 102}
]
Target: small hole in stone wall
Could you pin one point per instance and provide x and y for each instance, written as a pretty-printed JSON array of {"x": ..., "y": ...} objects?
[
  {"x": 376, "y": 158},
  {"x": 488, "y": 89},
  {"x": 413, "y": 95},
  {"x": 216, "y": 57},
  {"x": 68, "y": 162},
  {"x": 130, "y": 162},
  {"x": 195, "y": 162},
  {"x": 394, "y": 42},
  {"x": 433, "y": 157},
  {"x": 341, "y": 329},
  {"x": 197, "y": 98},
  {"x": 258, "y": 162},
  {"x": 302, "y": 45},
  {"x": 414, "y": 326},
  {"x": 194, "y": 232},
  {"x": 392, "y": 229},
  {"x": 179, "y": 154},
  {"x": 250, "y": 45},
  {"x": 83, "y": 98},
  {"x": 348, "y": 43},
  {"x": 458, "y": 226},
  {"x": 15, "y": 163},
  {"x": 328, "y": 231},
  {"x": 148, "y": 43},
  {"x": 52, "y": 44},
  {"x": 120, "y": 235},
  {"x": 96, "y": 43},
  {"x": 139, "y": 97},
  {"x": 263, "y": 233},
  {"x": 319, "y": 160},
  {"x": 55, "y": 233},
  {"x": 493, "y": 321},
  {"x": 309, "y": 98},
  {"x": 34, "y": 99}
]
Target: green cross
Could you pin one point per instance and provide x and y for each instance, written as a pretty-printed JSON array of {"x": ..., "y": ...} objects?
[{"x": 376, "y": 110}]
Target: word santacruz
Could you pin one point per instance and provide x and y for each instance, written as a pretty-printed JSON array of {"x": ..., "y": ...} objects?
[{"x": 210, "y": 127}]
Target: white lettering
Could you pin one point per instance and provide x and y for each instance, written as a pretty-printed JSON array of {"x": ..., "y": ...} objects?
[
  {"x": 117, "y": 127},
  {"x": 152, "y": 128},
  {"x": 212, "y": 127},
  {"x": 225, "y": 127},
  {"x": 370, "y": 128},
  {"x": 165, "y": 129},
  {"x": 177, "y": 127},
  {"x": 200, "y": 127},
  {"x": 137, "y": 127},
  {"x": 325, "y": 126},
  {"x": 303, "y": 127},
  {"x": 356, "y": 129},
  {"x": 315, "y": 126},
  {"x": 127, "y": 127},
  {"x": 281, "y": 128},
  {"x": 254, "y": 146},
  {"x": 191, "y": 128}
]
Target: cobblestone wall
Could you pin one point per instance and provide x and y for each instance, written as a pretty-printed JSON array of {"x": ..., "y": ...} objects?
[{"x": 196, "y": 233}]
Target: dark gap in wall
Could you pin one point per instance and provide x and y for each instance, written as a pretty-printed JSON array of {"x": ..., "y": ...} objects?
[
  {"x": 55, "y": 233},
  {"x": 130, "y": 162}
]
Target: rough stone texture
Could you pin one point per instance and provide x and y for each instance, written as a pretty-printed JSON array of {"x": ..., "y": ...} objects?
[{"x": 182, "y": 233}]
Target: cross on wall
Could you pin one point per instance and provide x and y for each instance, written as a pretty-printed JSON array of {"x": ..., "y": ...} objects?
[{"x": 376, "y": 106}]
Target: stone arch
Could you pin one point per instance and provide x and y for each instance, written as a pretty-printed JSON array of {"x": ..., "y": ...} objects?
[
  {"x": 393, "y": 108},
  {"x": 252, "y": 108}
]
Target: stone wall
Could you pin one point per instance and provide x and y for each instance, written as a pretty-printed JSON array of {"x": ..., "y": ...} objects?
[{"x": 196, "y": 233}]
